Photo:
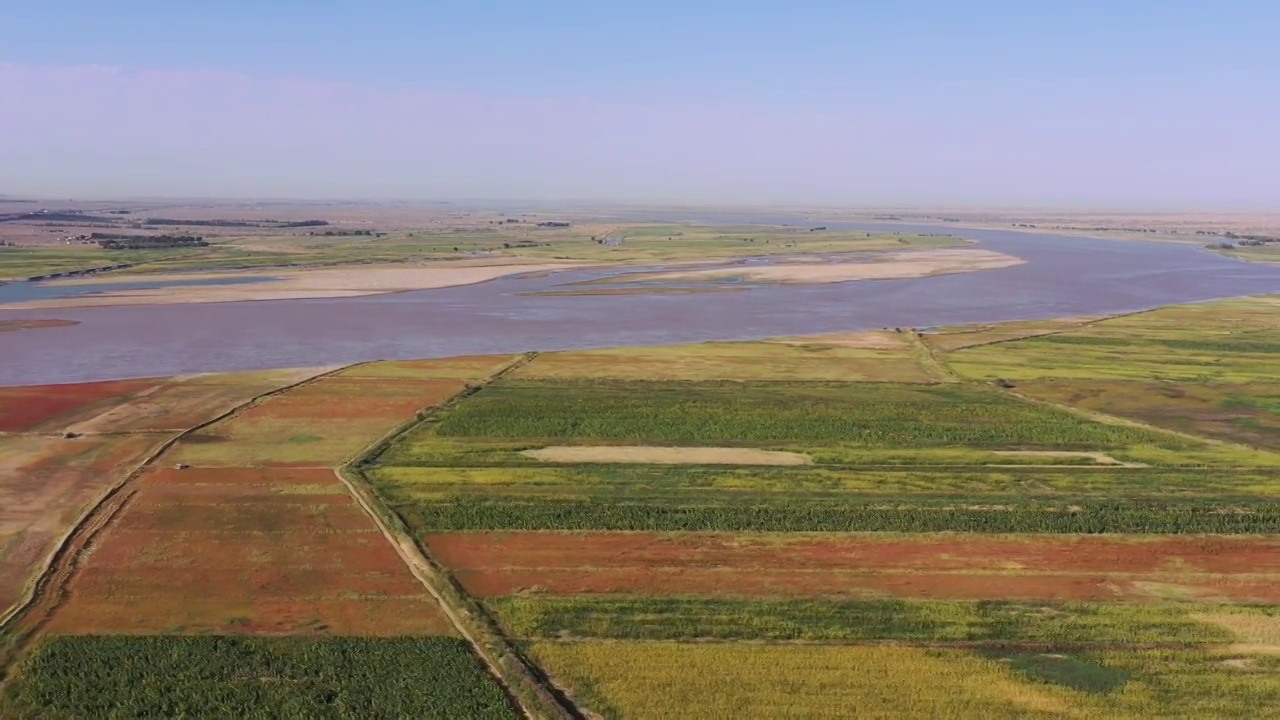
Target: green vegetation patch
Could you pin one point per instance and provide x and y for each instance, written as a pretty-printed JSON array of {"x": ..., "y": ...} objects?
[
  {"x": 1084, "y": 672},
  {"x": 735, "y": 513},
  {"x": 995, "y": 622},
  {"x": 736, "y": 414},
  {"x": 118, "y": 676},
  {"x": 743, "y": 361},
  {"x": 1232, "y": 341}
]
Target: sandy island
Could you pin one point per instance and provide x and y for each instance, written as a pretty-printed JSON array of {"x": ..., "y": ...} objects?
[
  {"x": 881, "y": 266},
  {"x": 357, "y": 280},
  {"x": 288, "y": 284}
]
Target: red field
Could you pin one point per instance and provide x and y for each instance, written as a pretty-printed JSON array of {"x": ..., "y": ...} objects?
[
  {"x": 1015, "y": 567},
  {"x": 245, "y": 550},
  {"x": 24, "y": 409}
]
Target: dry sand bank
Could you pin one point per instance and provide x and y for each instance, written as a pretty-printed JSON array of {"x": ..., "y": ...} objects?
[
  {"x": 645, "y": 454},
  {"x": 292, "y": 284},
  {"x": 883, "y": 266}
]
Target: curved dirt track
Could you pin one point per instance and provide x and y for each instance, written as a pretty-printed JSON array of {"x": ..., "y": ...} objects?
[{"x": 22, "y": 624}]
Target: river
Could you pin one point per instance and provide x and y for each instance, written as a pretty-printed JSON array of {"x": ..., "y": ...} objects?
[{"x": 1063, "y": 276}]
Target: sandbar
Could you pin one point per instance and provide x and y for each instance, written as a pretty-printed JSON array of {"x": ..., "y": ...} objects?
[
  {"x": 881, "y": 266},
  {"x": 290, "y": 284}
]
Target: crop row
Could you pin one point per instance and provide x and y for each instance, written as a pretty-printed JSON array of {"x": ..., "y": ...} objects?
[
  {"x": 653, "y": 680},
  {"x": 927, "y": 621},
  {"x": 800, "y": 515},
  {"x": 212, "y": 676},
  {"x": 1073, "y": 483},
  {"x": 854, "y": 414}
]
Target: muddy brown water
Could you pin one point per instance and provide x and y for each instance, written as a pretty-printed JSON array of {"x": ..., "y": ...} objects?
[{"x": 1063, "y": 276}]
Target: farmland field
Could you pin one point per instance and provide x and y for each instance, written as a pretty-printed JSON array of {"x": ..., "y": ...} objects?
[
  {"x": 63, "y": 446},
  {"x": 243, "y": 677},
  {"x": 869, "y": 565},
  {"x": 1068, "y": 518},
  {"x": 658, "y": 680},
  {"x": 279, "y": 543},
  {"x": 251, "y": 578}
]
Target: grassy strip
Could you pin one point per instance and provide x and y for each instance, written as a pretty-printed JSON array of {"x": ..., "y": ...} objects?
[
  {"x": 603, "y": 481},
  {"x": 800, "y": 515},
  {"x": 925, "y": 621},
  {"x": 161, "y": 676}
]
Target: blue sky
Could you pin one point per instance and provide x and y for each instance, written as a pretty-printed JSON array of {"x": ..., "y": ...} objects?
[{"x": 1136, "y": 103}]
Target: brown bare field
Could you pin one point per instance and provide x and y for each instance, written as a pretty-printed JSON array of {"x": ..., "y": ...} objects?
[
  {"x": 321, "y": 424},
  {"x": 178, "y": 404},
  {"x": 666, "y": 455},
  {"x": 45, "y": 485},
  {"x": 922, "y": 566},
  {"x": 40, "y": 407},
  {"x": 258, "y": 534},
  {"x": 199, "y": 550}
]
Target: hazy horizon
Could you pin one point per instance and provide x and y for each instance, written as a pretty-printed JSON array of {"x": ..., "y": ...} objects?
[{"x": 1154, "y": 106}]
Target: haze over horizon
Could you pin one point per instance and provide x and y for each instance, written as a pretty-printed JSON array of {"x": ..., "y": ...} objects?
[{"x": 1154, "y": 105}]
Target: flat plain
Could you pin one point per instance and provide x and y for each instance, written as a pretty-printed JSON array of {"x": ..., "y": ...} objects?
[
  {"x": 1067, "y": 518},
  {"x": 1060, "y": 518}
]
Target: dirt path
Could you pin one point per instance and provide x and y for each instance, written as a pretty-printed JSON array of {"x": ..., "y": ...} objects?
[
  {"x": 20, "y": 627},
  {"x": 929, "y": 361},
  {"x": 1106, "y": 419},
  {"x": 524, "y": 684}
]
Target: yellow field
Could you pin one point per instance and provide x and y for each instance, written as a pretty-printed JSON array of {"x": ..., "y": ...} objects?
[
  {"x": 839, "y": 359},
  {"x": 639, "y": 680}
]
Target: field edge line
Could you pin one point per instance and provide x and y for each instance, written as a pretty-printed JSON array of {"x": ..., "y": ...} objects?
[
  {"x": 14, "y": 641},
  {"x": 524, "y": 685}
]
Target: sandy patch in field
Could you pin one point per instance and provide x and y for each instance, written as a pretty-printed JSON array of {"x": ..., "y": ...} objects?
[
  {"x": 884, "y": 266},
  {"x": 1099, "y": 458},
  {"x": 870, "y": 340},
  {"x": 666, "y": 455},
  {"x": 291, "y": 284},
  {"x": 1252, "y": 630}
]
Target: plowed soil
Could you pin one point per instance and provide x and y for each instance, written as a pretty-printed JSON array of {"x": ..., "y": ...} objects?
[
  {"x": 939, "y": 566},
  {"x": 245, "y": 550},
  {"x": 40, "y": 407}
]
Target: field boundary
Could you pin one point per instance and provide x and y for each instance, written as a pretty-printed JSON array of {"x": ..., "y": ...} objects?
[
  {"x": 528, "y": 688},
  {"x": 47, "y": 592},
  {"x": 1107, "y": 419},
  {"x": 929, "y": 362}
]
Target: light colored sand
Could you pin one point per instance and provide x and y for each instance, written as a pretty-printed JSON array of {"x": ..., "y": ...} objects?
[
  {"x": 884, "y": 266},
  {"x": 1252, "y": 630},
  {"x": 869, "y": 340},
  {"x": 295, "y": 284},
  {"x": 666, "y": 455},
  {"x": 1100, "y": 457}
]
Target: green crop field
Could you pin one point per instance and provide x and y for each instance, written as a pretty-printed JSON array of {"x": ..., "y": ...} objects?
[
  {"x": 990, "y": 623},
  {"x": 879, "y": 415},
  {"x": 736, "y": 514},
  {"x": 119, "y": 676}
]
